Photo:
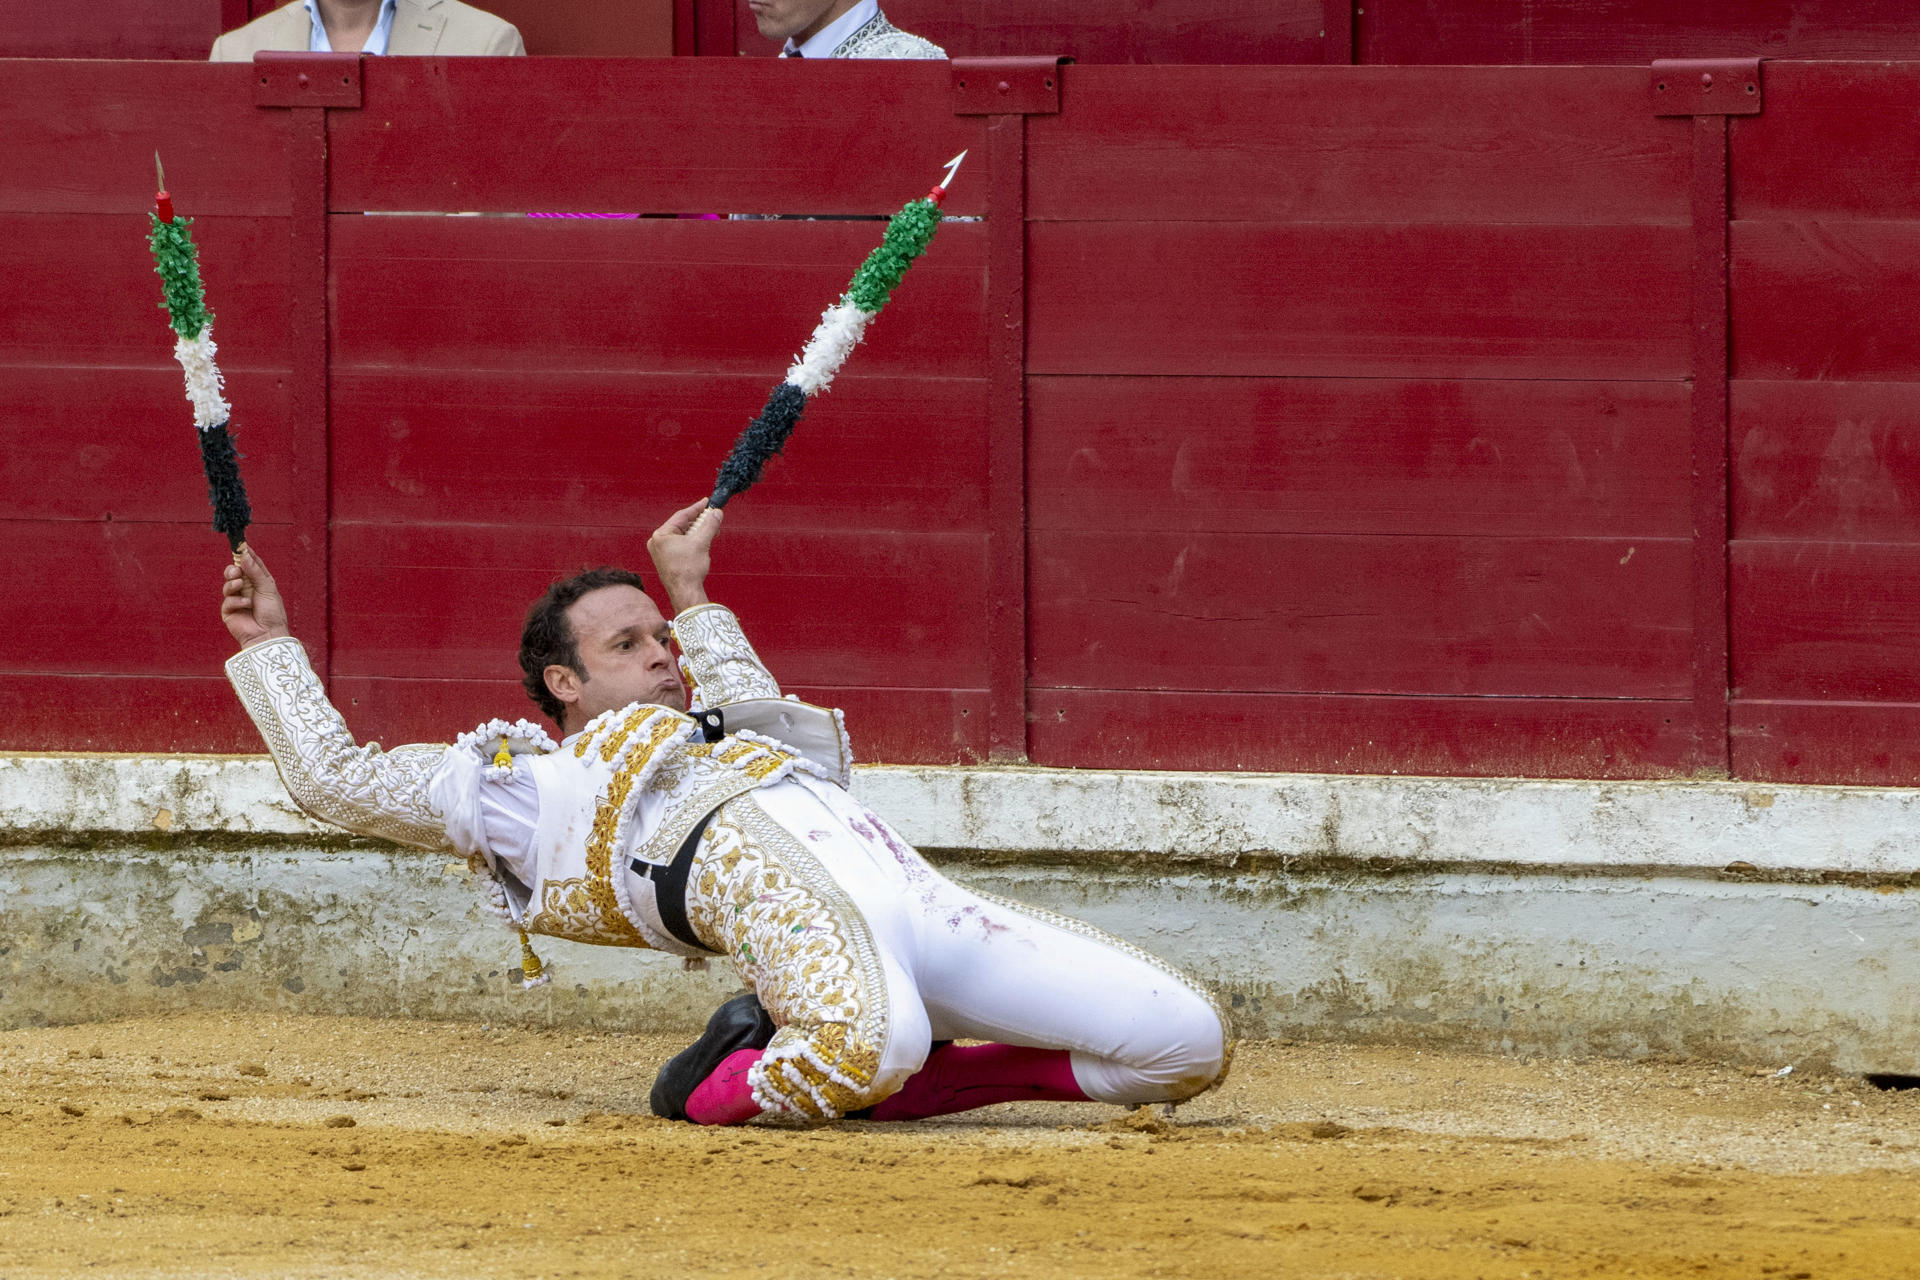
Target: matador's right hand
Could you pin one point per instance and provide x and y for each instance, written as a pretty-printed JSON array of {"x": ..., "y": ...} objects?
[{"x": 250, "y": 602}]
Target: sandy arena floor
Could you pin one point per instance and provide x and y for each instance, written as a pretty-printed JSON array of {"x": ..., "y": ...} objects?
[{"x": 231, "y": 1145}]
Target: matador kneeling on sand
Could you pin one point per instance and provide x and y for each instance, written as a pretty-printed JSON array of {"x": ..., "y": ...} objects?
[{"x": 727, "y": 830}]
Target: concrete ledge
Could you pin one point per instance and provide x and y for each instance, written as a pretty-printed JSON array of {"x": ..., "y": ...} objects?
[
  {"x": 1221, "y": 819},
  {"x": 1227, "y": 819},
  {"x": 81, "y": 795},
  {"x": 1751, "y": 923}
]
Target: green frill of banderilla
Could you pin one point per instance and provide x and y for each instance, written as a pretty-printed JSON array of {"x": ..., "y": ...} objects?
[
  {"x": 908, "y": 234},
  {"x": 178, "y": 263}
]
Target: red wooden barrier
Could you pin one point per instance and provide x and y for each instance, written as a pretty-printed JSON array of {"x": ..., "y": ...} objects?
[
  {"x": 1590, "y": 31},
  {"x": 1270, "y": 418},
  {"x": 1366, "y": 408},
  {"x": 118, "y": 28},
  {"x": 1826, "y": 474},
  {"x": 105, "y": 512}
]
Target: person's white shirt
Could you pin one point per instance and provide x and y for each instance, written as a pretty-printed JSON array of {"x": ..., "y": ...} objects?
[
  {"x": 829, "y": 37},
  {"x": 377, "y": 39},
  {"x": 509, "y": 816}
]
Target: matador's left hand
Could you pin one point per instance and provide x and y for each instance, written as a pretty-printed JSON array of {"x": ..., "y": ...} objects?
[{"x": 682, "y": 553}]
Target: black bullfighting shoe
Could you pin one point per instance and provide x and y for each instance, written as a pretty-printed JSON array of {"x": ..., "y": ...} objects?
[{"x": 740, "y": 1023}]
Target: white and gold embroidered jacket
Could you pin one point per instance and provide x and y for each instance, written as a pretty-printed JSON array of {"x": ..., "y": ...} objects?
[{"x": 632, "y": 784}]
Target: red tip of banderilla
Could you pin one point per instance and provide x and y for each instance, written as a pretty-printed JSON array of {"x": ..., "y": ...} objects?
[{"x": 162, "y": 202}]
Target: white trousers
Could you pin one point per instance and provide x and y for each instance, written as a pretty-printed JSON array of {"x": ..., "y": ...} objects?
[{"x": 865, "y": 955}]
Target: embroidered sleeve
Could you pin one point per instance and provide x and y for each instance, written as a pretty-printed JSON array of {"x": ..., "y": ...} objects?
[
  {"x": 363, "y": 789},
  {"x": 722, "y": 665}
]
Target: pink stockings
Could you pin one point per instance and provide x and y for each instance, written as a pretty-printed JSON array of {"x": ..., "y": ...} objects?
[
  {"x": 957, "y": 1078},
  {"x": 954, "y": 1078}
]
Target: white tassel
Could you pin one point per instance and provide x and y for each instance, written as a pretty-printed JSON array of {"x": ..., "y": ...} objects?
[
  {"x": 497, "y": 737},
  {"x": 497, "y": 902},
  {"x": 204, "y": 382},
  {"x": 834, "y": 338}
]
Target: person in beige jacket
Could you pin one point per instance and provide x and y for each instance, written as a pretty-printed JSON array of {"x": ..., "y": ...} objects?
[{"x": 421, "y": 28}]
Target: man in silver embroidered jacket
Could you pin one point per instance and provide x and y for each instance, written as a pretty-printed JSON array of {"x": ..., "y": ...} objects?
[
  {"x": 646, "y": 826},
  {"x": 836, "y": 29}
]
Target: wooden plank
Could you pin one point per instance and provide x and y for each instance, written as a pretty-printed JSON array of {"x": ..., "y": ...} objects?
[
  {"x": 1244, "y": 299},
  {"x": 1836, "y": 141},
  {"x": 1869, "y": 744},
  {"x": 1633, "y": 31},
  {"x": 1710, "y": 447},
  {"x": 396, "y": 711},
  {"x": 1836, "y": 621},
  {"x": 1091, "y": 31},
  {"x": 79, "y": 137},
  {"x": 591, "y": 28},
  {"x": 1534, "y": 617},
  {"x": 1336, "y": 32},
  {"x": 1832, "y": 460},
  {"x": 908, "y": 726},
  {"x": 660, "y": 295},
  {"x": 1339, "y": 455},
  {"x": 151, "y": 593},
  {"x": 1826, "y": 299},
  {"x": 686, "y": 28},
  {"x": 1007, "y": 436},
  {"x": 61, "y": 711},
  {"x": 714, "y": 35},
  {"x": 82, "y": 291},
  {"x": 1374, "y": 145},
  {"x": 80, "y": 443},
  {"x": 1473, "y": 737},
  {"x": 628, "y": 447},
  {"x": 895, "y": 726},
  {"x": 650, "y": 135},
  {"x": 850, "y": 610},
  {"x": 110, "y": 29},
  {"x": 308, "y": 380},
  {"x": 154, "y": 713}
]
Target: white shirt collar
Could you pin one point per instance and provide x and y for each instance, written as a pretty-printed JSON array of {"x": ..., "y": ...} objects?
[
  {"x": 833, "y": 35},
  {"x": 377, "y": 41}
]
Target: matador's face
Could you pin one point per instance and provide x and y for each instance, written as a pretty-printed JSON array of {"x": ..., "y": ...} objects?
[{"x": 626, "y": 655}]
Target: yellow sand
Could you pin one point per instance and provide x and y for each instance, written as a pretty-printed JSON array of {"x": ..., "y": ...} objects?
[{"x": 219, "y": 1145}]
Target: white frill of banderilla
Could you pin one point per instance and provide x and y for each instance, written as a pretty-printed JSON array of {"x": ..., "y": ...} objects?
[
  {"x": 204, "y": 382},
  {"x": 834, "y": 338}
]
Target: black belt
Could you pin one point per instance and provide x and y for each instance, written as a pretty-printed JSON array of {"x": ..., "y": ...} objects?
[{"x": 670, "y": 884}]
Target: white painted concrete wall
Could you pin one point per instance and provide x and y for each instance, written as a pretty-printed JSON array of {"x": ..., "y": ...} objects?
[
  {"x": 1758, "y": 923},
  {"x": 1214, "y": 818}
]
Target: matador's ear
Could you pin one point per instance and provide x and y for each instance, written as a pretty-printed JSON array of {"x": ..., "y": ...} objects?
[{"x": 562, "y": 682}]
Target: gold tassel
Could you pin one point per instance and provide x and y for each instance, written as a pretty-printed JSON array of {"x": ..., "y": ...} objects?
[
  {"x": 532, "y": 971},
  {"x": 503, "y": 758}
]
